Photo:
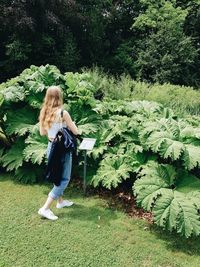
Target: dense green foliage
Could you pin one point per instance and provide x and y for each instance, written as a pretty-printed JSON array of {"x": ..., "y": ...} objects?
[
  {"x": 135, "y": 139},
  {"x": 152, "y": 41},
  {"x": 183, "y": 100}
]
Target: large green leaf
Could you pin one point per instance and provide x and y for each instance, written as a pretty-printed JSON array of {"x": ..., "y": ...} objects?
[
  {"x": 100, "y": 147},
  {"x": 175, "y": 210},
  {"x": 115, "y": 168},
  {"x": 187, "y": 182},
  {"x": 166, "y": 210},
  {"x": 190, "y": 134},
  {"x": 1, "y": 154},
  {"x": 154, "y": 177},
  {"x": 13, "y": 158},
  {"x": 21, "y": 121},
  {"x": 163, "y": 143},
  {"x": 174, "y": 140},
  {"x": 88, "y": 128},
  {"x": 36, "y": 148},
  {"x": 157, "y": 191},
  {"x": 47, "y": 75},
  {"x": 35, "y": 100},
  {"x": 191, "y": 156},
  {"x": 14, "y": 93},
  {"x": 171, "y": 149},
  {"x": 111, "y": 172},
  {"x": 27, "y": 175},
  {"x": 35, "y": 86},
  {"x": 195, "y": 197},
  {"x": 117, "y": 125}
]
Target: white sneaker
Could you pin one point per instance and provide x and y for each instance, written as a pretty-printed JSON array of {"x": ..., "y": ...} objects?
[
  {"x": 65, "y": 203},
  {"x": 47, "y": 213}
]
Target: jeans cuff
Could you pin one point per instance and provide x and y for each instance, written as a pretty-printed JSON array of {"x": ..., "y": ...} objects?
[{"x": 52, "y": 195}]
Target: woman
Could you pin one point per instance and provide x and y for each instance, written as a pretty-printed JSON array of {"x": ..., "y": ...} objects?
[{"x": 51, "y": 121}]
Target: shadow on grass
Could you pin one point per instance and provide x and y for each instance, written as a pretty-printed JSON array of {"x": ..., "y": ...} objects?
[
  {"x": 5, "y": 177},
  {"x": 92, "y": 213},
  {"x": 175, "y": 242}
]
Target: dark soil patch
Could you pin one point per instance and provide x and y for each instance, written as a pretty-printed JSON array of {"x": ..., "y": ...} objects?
[{"x": 118, "y": 198}]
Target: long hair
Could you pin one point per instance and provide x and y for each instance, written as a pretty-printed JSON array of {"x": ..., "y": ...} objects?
[{"x": 52, "y": 102}]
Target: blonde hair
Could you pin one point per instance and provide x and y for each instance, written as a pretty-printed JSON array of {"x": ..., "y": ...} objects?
[{"x": 52, "y": 102}]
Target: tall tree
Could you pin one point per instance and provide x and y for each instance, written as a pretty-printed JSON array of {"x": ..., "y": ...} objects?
[
  {"x": 166, "y": 54},
  {"x": 39, "y": 32}
]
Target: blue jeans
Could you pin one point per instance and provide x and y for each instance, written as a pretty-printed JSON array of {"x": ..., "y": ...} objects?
[{"x": 58, "y": 191}]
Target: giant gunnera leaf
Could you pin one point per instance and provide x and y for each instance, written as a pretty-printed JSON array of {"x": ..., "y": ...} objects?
[
  {"x": 36, "y": 148},
  {"x": 111, "y": 172},
  {"x": 13, "y": 158},
  {"x": 171, "y": 139},
  {"x": 115, "y": 168},
  {"x": 157, "y": 190},
  {"x": 20, "y": 121}
]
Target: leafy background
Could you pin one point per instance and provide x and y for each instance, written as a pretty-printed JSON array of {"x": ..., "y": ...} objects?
[{"x": 153, "y": 41}]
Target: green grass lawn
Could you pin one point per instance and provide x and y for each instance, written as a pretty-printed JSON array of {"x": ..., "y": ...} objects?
[{"x": 86, "y": 234}]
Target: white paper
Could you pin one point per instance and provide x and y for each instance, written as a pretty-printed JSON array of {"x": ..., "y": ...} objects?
[{"x": 87, "y": 144}]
